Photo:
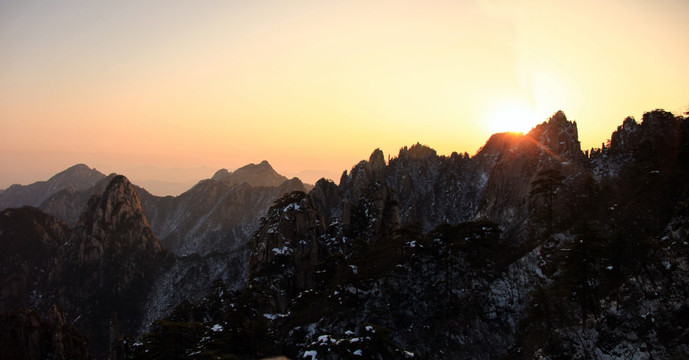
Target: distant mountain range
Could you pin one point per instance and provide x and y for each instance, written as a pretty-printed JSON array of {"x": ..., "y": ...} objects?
[
  {"x": 215, "y": 215},
  {"x": 532, "y": 248},
  {"x": 76, "y": 178}
]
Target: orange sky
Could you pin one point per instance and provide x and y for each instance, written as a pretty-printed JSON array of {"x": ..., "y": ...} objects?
[{"x": 176, "y": 90}]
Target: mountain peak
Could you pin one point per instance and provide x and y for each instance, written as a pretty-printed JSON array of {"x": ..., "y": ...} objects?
[
  {"x": 377, "y": 157},
  {"x": 220, "y": 175},
  {"x": 558, "y": 117},
  {"x": 557, "y": 122},
  {"x": 77, "y": 177},
  {"x": 261, "y": 174},
  {"x": 560, "y": 136},
  {"x": 117, "y": 206},
  {"x": 121, "y": 189},
  {"x": 113, "y": 221},
  {"x": 77, "y": 167},
  {"x": 420, "y": 151},
  {"x": 80, "y": 176},
  {"x": 658, "y": 129}
]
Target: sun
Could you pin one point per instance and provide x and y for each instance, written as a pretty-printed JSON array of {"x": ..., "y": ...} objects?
[{"x": 510, "y": 117}]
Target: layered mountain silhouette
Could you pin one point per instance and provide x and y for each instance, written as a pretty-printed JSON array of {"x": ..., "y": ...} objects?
[
  {"x": 530, "y": 248},
  {"x": 216, "y": 215},
  {"x": 76, "y": 178}
]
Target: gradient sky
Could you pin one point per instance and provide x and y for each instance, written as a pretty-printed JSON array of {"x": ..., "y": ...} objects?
[{"x": 165, "y": 90}]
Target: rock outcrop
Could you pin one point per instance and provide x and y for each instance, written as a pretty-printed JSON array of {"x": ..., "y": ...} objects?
[
  {"x": 432, "y": 189},
  {"x": 25, "y": 334},
  {"x": 517, "y": 161},
  {"x": 288, "y": 246},
  {"x": 114, "y": 223}
]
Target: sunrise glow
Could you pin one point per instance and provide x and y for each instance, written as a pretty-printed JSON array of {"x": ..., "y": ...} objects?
[
  {"x": 154, "y": 89},
  {"x": 511, "y": 117}
]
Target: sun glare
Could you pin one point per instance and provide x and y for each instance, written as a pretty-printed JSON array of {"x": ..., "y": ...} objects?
[{"x": 510, "y": 117}]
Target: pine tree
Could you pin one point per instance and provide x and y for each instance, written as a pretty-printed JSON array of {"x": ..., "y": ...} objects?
[{"x": 546, "y": 187}]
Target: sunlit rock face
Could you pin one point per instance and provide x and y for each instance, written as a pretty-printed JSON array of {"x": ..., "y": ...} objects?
[
  {"x": 113, "y": 223},
  {"x": 511, "y": 163},
  {"x": 560, "y": 136}
]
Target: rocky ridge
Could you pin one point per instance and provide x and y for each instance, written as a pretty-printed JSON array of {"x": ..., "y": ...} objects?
[
  {"x": 552, "y": 263},
  {"x": 493, "y": 185},
  {"x": 528, "y": 249}
]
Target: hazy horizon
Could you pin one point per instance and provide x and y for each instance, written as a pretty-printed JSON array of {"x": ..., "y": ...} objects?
[
  {"x": 147, "y": 89},
  {"x": 168, "y": 181}
]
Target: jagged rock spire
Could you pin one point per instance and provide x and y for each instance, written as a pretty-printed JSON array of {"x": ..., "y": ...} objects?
[
  {"x": 114, "y": 221},
  {"x": 560, "y": 137}
]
